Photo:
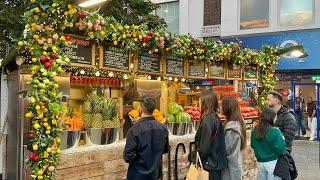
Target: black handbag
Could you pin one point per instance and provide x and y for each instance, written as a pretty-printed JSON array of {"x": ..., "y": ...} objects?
[{"x": 286, "y": 168}]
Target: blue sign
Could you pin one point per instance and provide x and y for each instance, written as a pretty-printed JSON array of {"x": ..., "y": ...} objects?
[{"x": 310, "y": 40}]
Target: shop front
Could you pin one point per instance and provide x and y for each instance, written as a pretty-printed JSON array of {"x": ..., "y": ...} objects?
[{"x": 73, "y": 98}]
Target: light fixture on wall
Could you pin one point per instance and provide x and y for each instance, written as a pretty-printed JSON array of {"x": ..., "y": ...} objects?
[{"x": 90, "y": 3}]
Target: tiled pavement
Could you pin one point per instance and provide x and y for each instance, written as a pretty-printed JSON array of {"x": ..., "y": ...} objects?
[{"x": 306, "y": 156}]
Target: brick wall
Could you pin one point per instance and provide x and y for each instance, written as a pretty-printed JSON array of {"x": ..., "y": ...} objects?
[{"x": 212, "y": 12}]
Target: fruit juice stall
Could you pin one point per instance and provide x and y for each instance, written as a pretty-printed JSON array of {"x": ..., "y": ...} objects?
[{"x": 112, "y": 67}]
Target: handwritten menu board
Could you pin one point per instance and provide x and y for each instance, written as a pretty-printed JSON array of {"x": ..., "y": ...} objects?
[
  {"x": 149, "y": 63},
  {"x": 196, "y": 69},
  {"x": 234, "y": 73},
  {"x": 79, "y": 52},
  {"x": 116, "y": 58},
  {"x": 251, "y": 72},
  {"x": 216, "y": 71},
  {"x": 175, "y": 65}
]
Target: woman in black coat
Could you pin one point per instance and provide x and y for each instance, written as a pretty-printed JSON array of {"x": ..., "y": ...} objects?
[{"x": 209, "y": 138}]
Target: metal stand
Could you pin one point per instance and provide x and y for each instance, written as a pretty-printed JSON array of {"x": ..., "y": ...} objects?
[{"x": 176, "y": 159}]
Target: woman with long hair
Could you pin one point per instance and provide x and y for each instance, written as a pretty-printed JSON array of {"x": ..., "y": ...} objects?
[
  {"x": 210, "y": 137},
  {"x": 268, "y": 144},
  {"x": 235, "y": 138}
]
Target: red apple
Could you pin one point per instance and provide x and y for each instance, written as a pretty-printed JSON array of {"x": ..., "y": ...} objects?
[
  {"x": 53, "y": 55},
  {"x": 68, "y": 38},
  {"x": 48, "y": 64},
  {"x": 43, "y": 59}
]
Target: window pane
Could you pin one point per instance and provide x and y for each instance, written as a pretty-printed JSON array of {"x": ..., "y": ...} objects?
[
  {"x": 296, "y": 12},
  {"x": 254, "y": 14},
  {"x": 170, "y": 13}
]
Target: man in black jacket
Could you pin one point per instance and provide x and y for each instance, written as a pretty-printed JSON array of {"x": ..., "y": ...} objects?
[
  {"x": 146, "y": 141},
  {"x": 285, "y": 120}
]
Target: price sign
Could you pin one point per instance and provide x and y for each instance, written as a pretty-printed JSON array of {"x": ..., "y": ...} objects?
[
  {"x": 196, "y": 69},
  {"x": 250, "y": 72},
  {"x": 149, "y": 63},
  {"x": 80, "y": 52},
  {"x": 115, "y": 58},
  {"x": 175, "y": 66},
  {"x": 217, "y": 71},
  {"x": 234, "y": 73}
]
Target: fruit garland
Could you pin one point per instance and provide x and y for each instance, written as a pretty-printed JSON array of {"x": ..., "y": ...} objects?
[{"x": 47, "y": 22}]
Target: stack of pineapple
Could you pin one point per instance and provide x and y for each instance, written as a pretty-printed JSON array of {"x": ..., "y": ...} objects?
[{"x": 100, "y": 112}]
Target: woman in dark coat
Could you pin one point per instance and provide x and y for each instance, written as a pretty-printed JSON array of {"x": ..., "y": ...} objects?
[{"x": 209, "y": 138}]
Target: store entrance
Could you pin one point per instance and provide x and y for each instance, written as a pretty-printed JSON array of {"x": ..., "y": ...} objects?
[{"x": 304, "y": 97}]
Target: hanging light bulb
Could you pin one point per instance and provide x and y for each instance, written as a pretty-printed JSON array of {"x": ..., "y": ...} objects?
[
  {"x": 125, "y": 76},
  {"x": 170, "y": 78},
  {"x": 82, "y": 71},
  {"x": 131, "y": 66},
  {"x": 176, "y": 79},
  {"x": 159, "y": 78},
  {"x": 183, "y": 79},
  {"x": 149, "y": 77},
  {"x": 111, "y": 74},
  {"x": 97, "y": 73},
  {"x": 207, "y": 69}
]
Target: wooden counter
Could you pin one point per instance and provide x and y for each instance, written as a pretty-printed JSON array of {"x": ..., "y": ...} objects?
[{"x": 106, "y": 162}]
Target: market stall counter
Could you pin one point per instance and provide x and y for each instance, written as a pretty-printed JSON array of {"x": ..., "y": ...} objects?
[{"x": 102, "y": 162}]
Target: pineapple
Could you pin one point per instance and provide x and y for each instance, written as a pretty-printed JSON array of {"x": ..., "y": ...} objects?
[
  {"x": 96, "y": 121},
  {"x": 107, "y": 124},
  {"x": 87, "y": 107},
  {"x": 87, "y": 120}
]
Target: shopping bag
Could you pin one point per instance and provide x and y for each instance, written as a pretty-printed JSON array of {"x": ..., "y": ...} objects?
[{"x": 197, "y": 172}]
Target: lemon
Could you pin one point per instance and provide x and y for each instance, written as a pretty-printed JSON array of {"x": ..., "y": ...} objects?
[
  {"x": 37, "y": 107},
  {"x": 36, "y": 126},
  {"x": 20, "y": 43},
  {"x": 70, "y": 6},
  {"x": 40, "y": 173},
  {"x": 34, "y": 59},
  {"x": 59, "y": 151},
  {"x": 32, "y": 1},
  {"x": 35, "y": 36},
  {"x": 33, "y": 100},
  {"x": 46, "y": 155},
  {"x": 54, "y": 122},
  {"x": 40, "y": 177},
  {"x": 49, "y": 150},
  {"x": 102, "y": 33},
  {"x": 48, "y": 127},
  {"x": 115, "y": 43},
  {"x": 35, "y": 147},
  {"x": 45, "y": 124},
  {"x": 37, "y": 9},
  {"x": 48, "y": 132},
  {"x": 45, "y": 53}
]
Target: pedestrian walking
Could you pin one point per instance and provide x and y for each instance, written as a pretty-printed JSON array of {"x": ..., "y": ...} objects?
[
  {"x": 312, "y": 119},
  {"x": 286, "y": 122},
  {"x": 268, "y": 144},
  {"x": 209, "y": 139},
  {"x": 146, "y": 141},
  {"x": 235, "y": 138},
  {"x": 300, "y": 119}
]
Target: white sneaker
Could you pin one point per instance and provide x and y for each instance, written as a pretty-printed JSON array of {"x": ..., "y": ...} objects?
[
  {"x": 311, "y": 139},
  {"x": 305, "y": 136}
]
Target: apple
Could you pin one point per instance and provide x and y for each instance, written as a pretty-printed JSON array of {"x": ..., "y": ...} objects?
[
  {"x": 43, "y": 59},
  {"x": 53, "y": 55},
  {"x": 48, "y": 64}
]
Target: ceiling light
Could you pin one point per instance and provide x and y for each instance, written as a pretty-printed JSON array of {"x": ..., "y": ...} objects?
[
  {"x": 91, "y": 3},
  {"x": 296, "y": 53}
]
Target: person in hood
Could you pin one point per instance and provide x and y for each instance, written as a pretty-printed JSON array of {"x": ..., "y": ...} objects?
[
  {"x": 146, "y": 141},
  {"x": 268, "y": 144},
  {"x": 286, "y": 122},
  {"x": 209, "y": 139},
  {"x": 235, "y": 138}
]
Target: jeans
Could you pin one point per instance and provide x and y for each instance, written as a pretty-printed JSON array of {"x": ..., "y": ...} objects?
[
  {"x": 302, "y": 127},
  {"x": 312, "y": 124},
  {"x": 265, "y": 170}
]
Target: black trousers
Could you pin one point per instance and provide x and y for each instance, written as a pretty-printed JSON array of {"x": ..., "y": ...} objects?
[{"x": 215, "y": 175}]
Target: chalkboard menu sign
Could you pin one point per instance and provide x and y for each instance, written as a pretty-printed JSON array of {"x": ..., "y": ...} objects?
[
  {"x": 115, "y": 58},
  {"x": 234, "y": 73},
  {"x": 149, "y": 63},
  {"x": 216, "y": 71},
  {"x": 175, "y": 66},
  {"x": 250, "y": 72},
  {"x": 80, "y": 51},
  {"x": 196, "y": 69}
]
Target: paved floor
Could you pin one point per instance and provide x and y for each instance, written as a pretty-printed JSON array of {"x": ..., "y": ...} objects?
[{"x": 306, "y": 156}]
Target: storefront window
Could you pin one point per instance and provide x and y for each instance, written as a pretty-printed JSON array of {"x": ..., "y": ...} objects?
[
  {"x": 170, "y": 13},
  {"x": 296, "y": 12},
  {"x": 254, "y": 14}
]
